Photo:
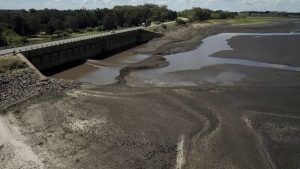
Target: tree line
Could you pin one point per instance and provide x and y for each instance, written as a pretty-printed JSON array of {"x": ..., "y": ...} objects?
[
  {"x": 200, "y": 14},
  {"x": 270, "y": 14},
  {"x": 17, "y": 24}
]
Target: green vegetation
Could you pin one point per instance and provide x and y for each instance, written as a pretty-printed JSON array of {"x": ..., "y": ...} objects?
[
  {"x": 238, "y": 21},
  {"x": 2, "y": 40},
  {"x": 11, "y": 63},
  {"x": 22, "y": 26},
  {"x": 199, "y": 14},
  {"x": 164, "y": 26},
  {"x": 180, "y": 22},
  {"x": 9, "y": 37},
  {"x": 27, "y": 23}
]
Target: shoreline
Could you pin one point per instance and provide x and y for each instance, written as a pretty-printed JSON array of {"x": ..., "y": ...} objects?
[
  {"x": 186, "y": 38},
  {"x": 190, "y": 37},
  {"x": 119, "y": 126}
]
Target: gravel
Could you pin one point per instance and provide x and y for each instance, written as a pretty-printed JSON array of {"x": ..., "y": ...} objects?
[{"x": 21, "y": 84}]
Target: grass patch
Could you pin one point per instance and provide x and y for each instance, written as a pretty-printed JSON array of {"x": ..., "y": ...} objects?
[
  {"x": 11, "y": 63},
  {"x": 244, "y": 21}
]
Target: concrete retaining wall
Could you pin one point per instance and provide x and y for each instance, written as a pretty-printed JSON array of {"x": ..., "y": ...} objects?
[{"x": 52, "y": 56}]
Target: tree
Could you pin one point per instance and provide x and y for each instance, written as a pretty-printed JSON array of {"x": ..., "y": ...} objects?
[
  {"x": 32, "y": 10},
  {"x": 58, "y": 24},
  {"x": 72, "y": 23},
  {"x": 18, "y": 24},
  {"x": 58, "y": 33},
  {"x": 223, "y": 14},
  {"x": 49, "y": 28},
  {"x": 32, "y": 26},
  {"x": 68, "y": 31},
  {"x": 44, "y": 17},
  {"x": 119, "y": 15},
  {"x": 2, "y": 41},
  {"x": 109, "y": 21},
  {"x": 199, "y": 14},
  {"x": 12, "y": 38}
]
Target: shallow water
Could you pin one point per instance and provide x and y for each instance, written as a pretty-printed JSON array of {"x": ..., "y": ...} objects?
[
  {"x": 200, "y": 58},
  {"x": 97, "y": 72},
  {"x": 104, "y": 75},
  {"x": 172, "y": 75},
  {"x": 125, "y": 58}
]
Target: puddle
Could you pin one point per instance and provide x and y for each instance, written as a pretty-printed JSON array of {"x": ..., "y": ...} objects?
[{"x": 198, "y": 59}]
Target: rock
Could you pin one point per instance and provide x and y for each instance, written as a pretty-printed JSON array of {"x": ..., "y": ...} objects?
[{"x": 21, "y": 84}]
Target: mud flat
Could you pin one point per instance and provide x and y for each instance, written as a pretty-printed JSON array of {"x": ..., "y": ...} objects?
[
  {"x": 270, "y": 49},
  {"x": 235, "y": 116},
  {"x": 202, "y": 57}
]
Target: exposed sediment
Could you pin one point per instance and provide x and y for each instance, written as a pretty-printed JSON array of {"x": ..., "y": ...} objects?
[{"x": 253, "y": 123}]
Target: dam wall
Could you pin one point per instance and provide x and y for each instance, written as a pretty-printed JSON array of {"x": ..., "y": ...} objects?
[{"x": 48, "y": 57}]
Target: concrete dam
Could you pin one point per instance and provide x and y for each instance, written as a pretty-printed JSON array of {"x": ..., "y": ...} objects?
[{"x": 50, "y": 55}]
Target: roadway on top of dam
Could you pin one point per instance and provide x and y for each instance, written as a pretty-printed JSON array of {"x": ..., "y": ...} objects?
[{"x": 64, "y": 41}]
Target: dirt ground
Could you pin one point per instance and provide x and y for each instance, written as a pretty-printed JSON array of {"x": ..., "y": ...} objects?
[{"x": 251, "y": 124}]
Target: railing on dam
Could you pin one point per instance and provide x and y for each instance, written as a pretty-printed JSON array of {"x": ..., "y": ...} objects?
[{"x": 26, "y": 47}]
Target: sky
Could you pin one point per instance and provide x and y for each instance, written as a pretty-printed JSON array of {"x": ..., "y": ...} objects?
[{"x": 229, "y": 5}]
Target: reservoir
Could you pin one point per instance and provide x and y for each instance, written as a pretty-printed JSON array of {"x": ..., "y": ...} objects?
[{"x": 222, "y": 49}]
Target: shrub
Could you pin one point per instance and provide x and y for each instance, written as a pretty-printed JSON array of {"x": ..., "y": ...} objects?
[
  {"x": 99, "y": 28},
  {"x": 180, "y": 21},
  {"x": 2, "y": 41},
  {"x": 69, "y": 31},
  {"x": 11, "y": 63},
  {"x": 89, "y": 29},
  {"x": 65, "y": 34},
  {"x": 58, "y": 32},
  {"x": 12, "y": 38}
]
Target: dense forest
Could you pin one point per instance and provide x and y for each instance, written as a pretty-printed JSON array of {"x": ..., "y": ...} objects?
[
  {"x": 16, "y": 26},
  {"x": 199, "y": 14}
]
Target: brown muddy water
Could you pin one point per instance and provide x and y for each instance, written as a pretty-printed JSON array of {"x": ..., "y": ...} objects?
[
  {"x": 108, "y": 69},
  {"x": 103, "y": 71}
]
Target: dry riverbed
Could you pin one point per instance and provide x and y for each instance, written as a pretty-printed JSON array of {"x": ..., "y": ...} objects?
[{"x": 252, "y": 122}]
